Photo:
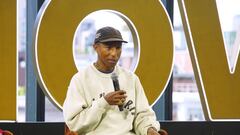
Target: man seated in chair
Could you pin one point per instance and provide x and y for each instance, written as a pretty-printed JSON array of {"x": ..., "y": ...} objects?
[{"x": 106, "y": 99}]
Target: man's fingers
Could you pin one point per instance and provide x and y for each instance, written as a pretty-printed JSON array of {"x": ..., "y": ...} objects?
[
  {"x": 120, "y": 96},
  {"x": 116, "y": 97},
  {"x": 119, "y": 101},
  {"x": 119, "y": 92}
]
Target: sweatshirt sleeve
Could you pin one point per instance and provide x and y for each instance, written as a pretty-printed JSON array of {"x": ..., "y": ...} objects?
[
  {"x": 78, "y": 115},
  {"x": 145, "y": 116}
]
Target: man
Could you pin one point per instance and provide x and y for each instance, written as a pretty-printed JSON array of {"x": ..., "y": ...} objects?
[{"x": 93, "y": 107}]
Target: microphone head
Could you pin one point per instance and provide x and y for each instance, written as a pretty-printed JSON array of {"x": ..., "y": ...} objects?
[{"x": 114, "y": 76}]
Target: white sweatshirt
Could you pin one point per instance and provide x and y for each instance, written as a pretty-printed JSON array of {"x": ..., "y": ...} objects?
[{"x": 88, "y": 113}]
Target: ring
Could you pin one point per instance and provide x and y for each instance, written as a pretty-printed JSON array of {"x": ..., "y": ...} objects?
[{"x": 121, "y": 101}]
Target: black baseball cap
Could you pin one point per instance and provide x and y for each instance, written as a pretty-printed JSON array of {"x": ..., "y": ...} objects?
[{"x": 108, "y": 34}]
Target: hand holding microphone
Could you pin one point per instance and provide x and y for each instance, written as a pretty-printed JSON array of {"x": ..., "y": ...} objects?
[{"x": 117, "y": 97}]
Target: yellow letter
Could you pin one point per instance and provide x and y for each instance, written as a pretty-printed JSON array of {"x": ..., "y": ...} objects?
[
  {"x": 57, "y": 25},
  {"x": 8, "y": 66},
  {"x": 219, "y": 88}
]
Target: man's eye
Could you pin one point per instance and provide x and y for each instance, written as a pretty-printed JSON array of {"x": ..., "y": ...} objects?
[{"x": 107, "y": 47}]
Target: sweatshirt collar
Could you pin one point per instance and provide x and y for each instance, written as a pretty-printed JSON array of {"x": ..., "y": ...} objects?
[{"x": 102, "y": 74}]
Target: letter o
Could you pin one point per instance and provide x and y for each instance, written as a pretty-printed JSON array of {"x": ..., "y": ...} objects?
[{"x": 57, "y": 22}]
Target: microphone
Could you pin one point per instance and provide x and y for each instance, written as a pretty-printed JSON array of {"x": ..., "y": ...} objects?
[{"x": 116, "y": 87}]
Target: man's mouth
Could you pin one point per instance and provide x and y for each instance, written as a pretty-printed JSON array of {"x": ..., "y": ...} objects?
[{"x": 112, "y": 61}]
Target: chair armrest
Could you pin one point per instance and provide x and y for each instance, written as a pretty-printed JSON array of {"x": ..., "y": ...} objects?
[
  {"x": 5, "y": 132},
  {"x": 68, "y": 132},
  {"x": 163, "y": 132}
]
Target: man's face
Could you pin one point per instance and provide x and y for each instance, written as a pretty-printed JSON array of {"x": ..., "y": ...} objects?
[{"x": 108, "y": 54}]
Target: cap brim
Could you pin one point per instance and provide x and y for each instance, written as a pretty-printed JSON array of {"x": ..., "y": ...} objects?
[{"x": 112, "y": 40}]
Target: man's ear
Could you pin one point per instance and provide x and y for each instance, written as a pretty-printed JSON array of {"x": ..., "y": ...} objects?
[{"x": 95, "y": 46}]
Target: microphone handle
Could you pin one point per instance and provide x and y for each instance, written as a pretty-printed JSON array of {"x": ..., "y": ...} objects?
[
  {"x": 116, "y": 85},
  {"x": 117, "y": 88}
]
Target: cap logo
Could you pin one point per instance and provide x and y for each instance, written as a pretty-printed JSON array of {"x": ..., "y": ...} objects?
[{"x": 98, "y": 35}]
